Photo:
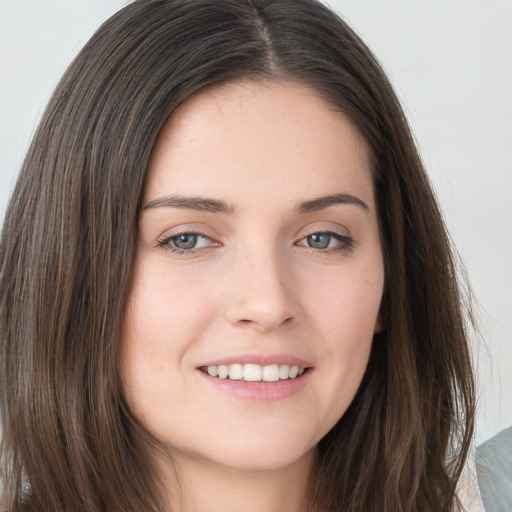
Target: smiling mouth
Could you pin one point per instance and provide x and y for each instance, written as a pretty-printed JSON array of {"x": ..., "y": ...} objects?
[{"x": 254, "y": 372}]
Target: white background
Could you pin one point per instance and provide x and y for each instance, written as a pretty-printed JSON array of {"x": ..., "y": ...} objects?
[{"x": 451, "y": 63}]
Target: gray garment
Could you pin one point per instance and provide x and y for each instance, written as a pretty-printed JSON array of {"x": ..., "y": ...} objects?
[{"x": 493, "y": 460}]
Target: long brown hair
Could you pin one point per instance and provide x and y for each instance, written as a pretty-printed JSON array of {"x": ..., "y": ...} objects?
[{"x": 67, "y": 246}]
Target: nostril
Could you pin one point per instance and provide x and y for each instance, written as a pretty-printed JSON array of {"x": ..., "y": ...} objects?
[{"x": 262, "y": 312}]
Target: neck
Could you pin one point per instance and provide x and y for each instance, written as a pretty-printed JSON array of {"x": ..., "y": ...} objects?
[{"x": 209, "y": 487}]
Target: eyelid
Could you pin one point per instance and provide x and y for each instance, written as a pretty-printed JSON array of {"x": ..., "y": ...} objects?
[
  {"x": 339, "y": 233},
  {"x": 334, "y": 234},
  {"x": 338, "y": 230},
  {"x": 164, "y": 240},
  {"x": 345, "y": 240},
  {"x": 193, "y": 228},
  {"x": 323, "y": 227}
]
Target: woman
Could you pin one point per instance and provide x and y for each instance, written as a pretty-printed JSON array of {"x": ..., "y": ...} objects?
[{"x": 225, "y": 282}]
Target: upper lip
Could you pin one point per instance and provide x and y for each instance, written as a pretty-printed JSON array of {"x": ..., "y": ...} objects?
[{"x": 260, "y": 359}]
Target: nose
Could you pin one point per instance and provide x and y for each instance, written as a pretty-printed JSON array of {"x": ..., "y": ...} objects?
[{"x": 263, "y": 293}]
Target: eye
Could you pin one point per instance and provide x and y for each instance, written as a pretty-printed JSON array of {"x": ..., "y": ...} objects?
[
  {"x": 186, "y": 243},
  {"x": 327, "y": 241}
]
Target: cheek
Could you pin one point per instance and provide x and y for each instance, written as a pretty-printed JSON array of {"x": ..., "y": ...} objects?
[
  {"x": 347, "y": 304},
  {"x": 346, "y": 316},
  {"x": 163, "y": 310},
  {"x": 164, "y": 316}
]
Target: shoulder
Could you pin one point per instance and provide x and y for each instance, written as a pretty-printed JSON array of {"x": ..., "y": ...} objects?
[
  {"x": 493, "y": 462},
  {"x": 467, "y": 488}
]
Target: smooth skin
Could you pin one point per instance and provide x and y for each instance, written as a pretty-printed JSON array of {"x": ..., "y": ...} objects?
[{"x": 236, "y": 258}]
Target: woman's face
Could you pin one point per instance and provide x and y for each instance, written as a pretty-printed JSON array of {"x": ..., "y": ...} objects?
[{"x": 258, "y": 277}]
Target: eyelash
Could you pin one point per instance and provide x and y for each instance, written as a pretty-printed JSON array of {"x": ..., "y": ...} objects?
[
  {"x": 347, "y": 243},
  {"x": 166, "y": 243}
]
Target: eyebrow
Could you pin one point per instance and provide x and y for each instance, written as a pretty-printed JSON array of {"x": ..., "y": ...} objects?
[
  {"x": 205, "y": 204},
  {"x": 320, "y": 203},
  {"x": 201, "y": 204}
]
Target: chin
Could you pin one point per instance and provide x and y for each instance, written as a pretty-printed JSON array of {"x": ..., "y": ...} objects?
[{"x": 259, "y": 455}]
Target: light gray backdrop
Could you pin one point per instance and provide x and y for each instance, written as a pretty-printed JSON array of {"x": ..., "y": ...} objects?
[{"x": 451, "y": 63}]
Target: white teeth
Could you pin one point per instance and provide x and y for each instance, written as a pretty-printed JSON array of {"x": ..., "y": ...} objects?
[
  {"x": 236, "y": 371},
  {"x": 252, "y": 372},
  {"x": 270, "y": 373},
  {"x": 223, "y": 371},
  {"x": 255, "y": 372}
]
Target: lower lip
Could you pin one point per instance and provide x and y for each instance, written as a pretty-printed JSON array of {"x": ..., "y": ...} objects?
[{"x": 259, "y": 391}]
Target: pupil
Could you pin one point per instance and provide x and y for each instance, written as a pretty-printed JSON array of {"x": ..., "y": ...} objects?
[
  {"x": 185, "y": 241},
  {"x": 319, "y": 240}
]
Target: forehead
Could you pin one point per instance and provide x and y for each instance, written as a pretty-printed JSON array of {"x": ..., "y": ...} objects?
[{"x": 253, "y": 139}]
